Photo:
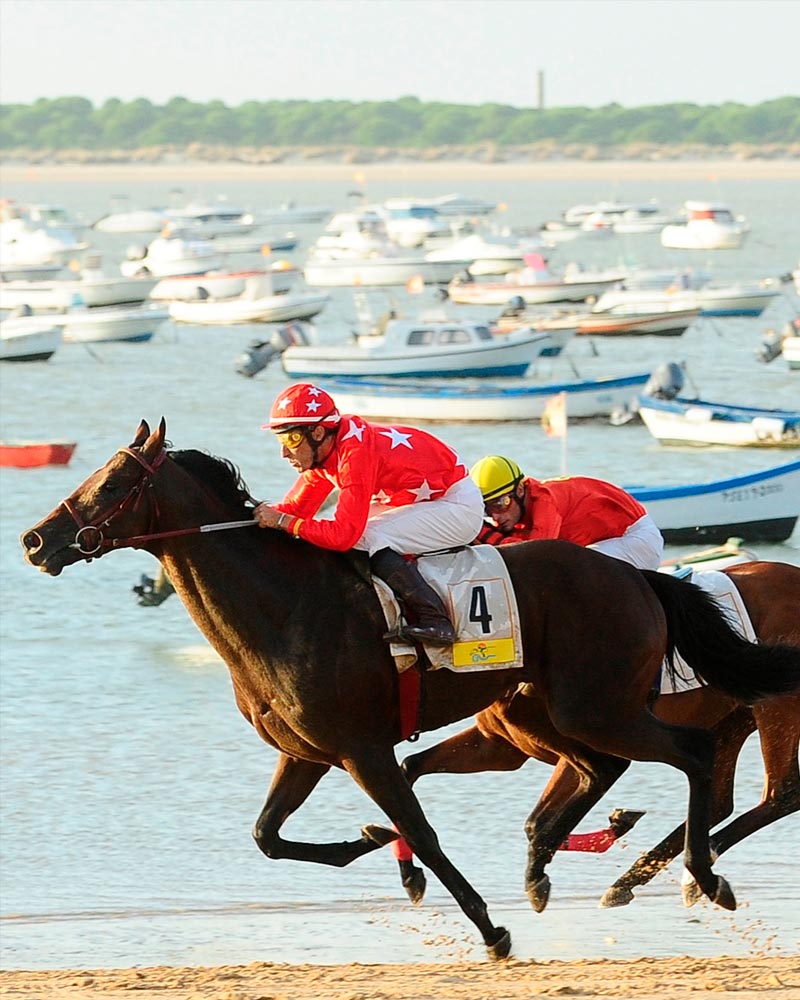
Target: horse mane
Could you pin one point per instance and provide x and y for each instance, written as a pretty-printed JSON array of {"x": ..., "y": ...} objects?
[{"x": 219, "y": 476}]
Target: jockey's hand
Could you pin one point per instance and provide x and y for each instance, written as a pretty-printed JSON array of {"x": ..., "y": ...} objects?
[{"x": 266, "y": 516}]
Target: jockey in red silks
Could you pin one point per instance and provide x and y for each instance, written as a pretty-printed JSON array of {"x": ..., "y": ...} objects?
[
  {"x": 578, "y": 509},
  {"x": 402, "y": 491}
]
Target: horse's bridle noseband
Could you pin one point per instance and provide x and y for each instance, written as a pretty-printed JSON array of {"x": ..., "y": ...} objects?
[{"x": 84, "y": 536}]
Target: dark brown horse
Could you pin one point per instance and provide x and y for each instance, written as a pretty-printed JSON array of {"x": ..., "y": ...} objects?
[
  {"x": 501, "y": 740},
  {"x": 300, "y": 629}
]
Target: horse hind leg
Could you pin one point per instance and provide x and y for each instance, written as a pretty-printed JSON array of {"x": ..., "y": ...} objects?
[
  {"x": 468, "y": 752},
  {"x": 292, "y": 783},
  {"x": 378, "y": 773},
  {"x": 778, "y": 721},
  {"x": 729, "y": 735}
]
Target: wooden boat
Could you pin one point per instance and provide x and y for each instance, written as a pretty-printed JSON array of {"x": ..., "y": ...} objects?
[
  {"x": 636, "y": 322},
  {"x": 481, "y": 402},
  {"x": 699, "y": 422},
  {"x": 756, "y": 507},
  {"x": 32, "y": 454},
  {"x": 426, "y": 348}
]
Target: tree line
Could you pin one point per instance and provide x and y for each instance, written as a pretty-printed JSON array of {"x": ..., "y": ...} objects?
[{"x": 75, "y": 123}]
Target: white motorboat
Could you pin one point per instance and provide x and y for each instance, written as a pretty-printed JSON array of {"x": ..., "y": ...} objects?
[
  {"x": 111, "y": 323},
  {"x": 756, "y": 507},
  {"x": 134, "y": 220},
  {"x": 459, "y": 205},
  {"x": 488, "y": 254},
  {"x": 480, "y": 402},
  {"x": 91, "y": 288},
  {"x": 258, "y": 303},
  {"x": 352, "y": 234},
  {"x": 208, "y": 220},
  {"x": 167, "y": 256},
  {"x": 222, "y": 284},
  {"x": 26, "y": 246},
  {"x": 379, "y": 269},
  {"x": 412, "y": 223},
  {"x": 290, "y": 213},
  {"x": 25, "y": 337},
  {"x": 709, "y": 226},
  {"x": 682, "y": 421},
  {"x": 426, "y": 348},
  {"x": 624, "y": 218},
  {"x": 738, "y": 299},
  {"x": 534, "y": 285},
  {"x": 54, "y": 217}
]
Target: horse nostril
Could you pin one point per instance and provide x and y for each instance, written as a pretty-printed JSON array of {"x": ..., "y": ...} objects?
[{"x": 32, "y": 541}]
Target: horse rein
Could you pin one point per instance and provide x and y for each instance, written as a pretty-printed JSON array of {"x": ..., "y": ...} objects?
[{"x": 84, "y": 537}]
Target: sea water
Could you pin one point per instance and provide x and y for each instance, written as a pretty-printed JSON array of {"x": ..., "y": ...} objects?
[{"x": 130, "y": 781}]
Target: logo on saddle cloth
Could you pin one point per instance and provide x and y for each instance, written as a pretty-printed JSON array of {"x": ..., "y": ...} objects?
[{"x": 476, "y": 589}]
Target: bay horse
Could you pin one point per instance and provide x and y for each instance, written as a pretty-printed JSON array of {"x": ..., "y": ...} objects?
[
  {"x": 300, "y": 629},
  {"x": 498, "y": 742}
]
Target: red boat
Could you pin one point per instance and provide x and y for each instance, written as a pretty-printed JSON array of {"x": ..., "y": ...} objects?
[{"x": 28, "y": 454}]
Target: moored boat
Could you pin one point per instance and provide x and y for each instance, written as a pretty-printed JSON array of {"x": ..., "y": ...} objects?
[
  {"x": 28, "y": 338},
  {"x": 256, "y": 304},
  {"x": 113, "y": 323},
  {"x": 479, "y": 402},
  {"x": 708, "y": 226},
  {"x": 756, "y": 507},
  {"x": 34, "y": 454},
  {"x": 698, "y": 422}
]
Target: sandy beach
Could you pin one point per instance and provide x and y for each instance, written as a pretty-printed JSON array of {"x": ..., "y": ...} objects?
[
  {"x": 444, "y": 171},
  {"x": 681, "y": 978}
]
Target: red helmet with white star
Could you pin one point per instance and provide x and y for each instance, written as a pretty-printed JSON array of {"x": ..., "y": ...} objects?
[{"x": 302, "y": 405}]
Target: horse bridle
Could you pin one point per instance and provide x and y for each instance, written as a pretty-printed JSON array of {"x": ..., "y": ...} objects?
[
  {"x": 83, "y": 536},
  {"x": 136, "y": 493}
]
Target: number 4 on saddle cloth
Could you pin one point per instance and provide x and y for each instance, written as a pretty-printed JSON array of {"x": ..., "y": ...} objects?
[{"x": 474, "y": 584}]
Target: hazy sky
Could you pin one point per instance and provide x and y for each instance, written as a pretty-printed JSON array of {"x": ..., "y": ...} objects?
[{"x": 592, "y": 52}]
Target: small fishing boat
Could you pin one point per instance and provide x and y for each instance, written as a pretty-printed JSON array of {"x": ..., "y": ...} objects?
[
  {"x": 91, "y": 288},
  {"x": 534, "y": 284},
  {"x": 708, "y": 226},
  {"x": 33, "y": 454},
  {"x": 756, "y": 507},
  {"x": 480, "y": 402},
  {"x": 426, "y": 348},
  {"x": 114, "y": 323},
  {"x": 737, "y": 299},
  {"x": 223, "y": 284},
  {"x": 258, "y": 303},
  {"x": 699, "y": 422}
]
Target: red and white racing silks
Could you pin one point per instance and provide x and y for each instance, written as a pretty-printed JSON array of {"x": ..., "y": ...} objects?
[{"x": 370, "y": 463}]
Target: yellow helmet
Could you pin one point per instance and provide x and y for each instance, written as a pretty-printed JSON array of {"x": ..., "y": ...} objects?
[{"x": 495, "y": 475}]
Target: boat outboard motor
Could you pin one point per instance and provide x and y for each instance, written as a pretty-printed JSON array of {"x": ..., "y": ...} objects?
[
  {"x": 514, "y": 307},
  {"x": 259, "y": 353},
  {"x": 771, "y": 347},
  {"x": 665, "y": 382}
]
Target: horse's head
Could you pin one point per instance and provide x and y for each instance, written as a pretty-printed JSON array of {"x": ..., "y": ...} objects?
[{"x": 112, "y": 503}]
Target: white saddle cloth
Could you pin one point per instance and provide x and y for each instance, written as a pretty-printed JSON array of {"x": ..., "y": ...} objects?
[
  {"x": 476, "y": 589},
  {"x": 723, "y": 589}
]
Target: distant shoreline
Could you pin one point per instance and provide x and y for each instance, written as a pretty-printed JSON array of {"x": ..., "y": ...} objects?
[{"x": 445, "y": 171}]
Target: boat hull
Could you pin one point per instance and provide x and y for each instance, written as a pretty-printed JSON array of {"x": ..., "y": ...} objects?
[
  {"x": 388, "y": 271},
  {"x": 383, "y": 400},
  {"x": 758, "y": 507},
  {"x": 271, "y": 309},
  {"x": 498, "y": 293},
  {"x": 34, "y": 454},
  {"x": 107, "y": 325},
  {"x": 28, "y": 340},
  {"x": 703, "y": 424},
  {"x": 63, "y": 294}
]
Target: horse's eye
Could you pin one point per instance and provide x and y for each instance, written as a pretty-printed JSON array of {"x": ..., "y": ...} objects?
[{"x": 109, "y": 487}]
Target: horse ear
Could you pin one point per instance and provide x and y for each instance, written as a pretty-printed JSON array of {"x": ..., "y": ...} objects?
[
  {"x": 155, "y": 441},
  {"x": 142, "y": 434}
]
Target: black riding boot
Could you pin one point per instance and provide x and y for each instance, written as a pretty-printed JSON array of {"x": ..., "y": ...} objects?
[{"x": 426, "y": 617}]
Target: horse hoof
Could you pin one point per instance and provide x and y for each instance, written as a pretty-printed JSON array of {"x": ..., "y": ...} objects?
[
  {"x": 724, "y": 896},
  {"x": 617, "y": 895},
  {"x": 379, "y": 835},
  {"x": 622, "y": 821},
  {"x": 690, "y": 890},
  {"x": 415, "y": 885},
  {"x": 539, "y": 893},
  {"x": 502, "y": 946}
]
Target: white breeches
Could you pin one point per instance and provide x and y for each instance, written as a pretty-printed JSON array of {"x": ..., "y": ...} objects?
[
  {"x": 642, "y": 545},
  {"x": 444, "y": 523}
]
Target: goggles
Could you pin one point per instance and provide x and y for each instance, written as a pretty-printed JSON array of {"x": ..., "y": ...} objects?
[
  {"x": 500, "y": 504},
  {"x": 291, "y": 439}
]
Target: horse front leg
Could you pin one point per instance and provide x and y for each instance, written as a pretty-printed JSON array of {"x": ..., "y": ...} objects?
[
  {"x": 378, "y": 773},
  {"x": 292, "y": 783},
  {"x": 469, "y": 752}
]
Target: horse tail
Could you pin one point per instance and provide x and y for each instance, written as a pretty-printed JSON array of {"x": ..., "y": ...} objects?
[{"x": 700, "y": 629}]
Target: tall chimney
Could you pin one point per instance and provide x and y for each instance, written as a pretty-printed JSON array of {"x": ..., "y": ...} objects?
[{"x": 540, "y": 90}]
